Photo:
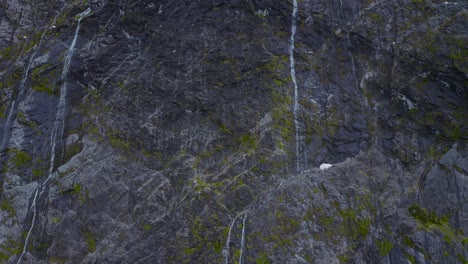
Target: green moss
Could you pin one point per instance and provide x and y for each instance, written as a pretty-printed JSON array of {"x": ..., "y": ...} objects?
[
  {"x": 218, "y": 246},
  {"x": 37, "y": 173},
  {"x": 426, "y": 217},
  {"x": 283, "y": 121},
  {"x": 355, "y": 227},
  {"x": 277, "y": 63},
  {"x": 7, "y": 206},
  {"x": 40, "y": 81},
  {"x": 20, "y": 158},
  {"x": 282, "y": 243},
  {"x": 376, "y": 17},
  {"x": 189, "y": 251},
  {"x": 343, "y": 258},
  {"x": 237, "y": 254},
  {"x": 14, "y": 78},
  {"x": 431, "y": 222},
  {"x": 4, "y": 256},
  {"x": 224, "y": 129},
  {"x": 118, "y": 142},
  {"x": 248, "y": 142},
  {"x": 7, "y": 53},
  {"x": 78, "y": 191},
  {"x": 22, "y": 119},
  {"x": 71, "y": 150},
  {"x": 42, "y": 85},
  {"x": 286, "y": 224},
  {"x": 206, "y": 235},
  {"x": 10, "y": 248},
  {"x": 90, "y": 241},
  {"x": 309, "y": 259},
  {"x": 462, "y": 259},
  {"x": 262, "y": 259},
  {"x": 464, "y": 240},
  {"x": 2, "y": 111},
  {"x": 279, "y": 82},
  {"x": 384, "y": 246},
  {"x": 147, "y": 227},
  {"x": 459, "y": 56},
  {"x": 408, "y": 241},
  {"x": 410, "y": 258},
  {"x": 455, "y": 133}
]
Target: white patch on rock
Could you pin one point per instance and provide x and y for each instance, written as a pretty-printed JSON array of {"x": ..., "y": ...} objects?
[
  {"x": 409, "y": 104},
  {"x": 72, "y": 139},
  {"x": 325, "y": 166},
  {"x": 262, "y": 13},
  {"x": 367, "y": 76},
  {"x": 40, "y": 60}
]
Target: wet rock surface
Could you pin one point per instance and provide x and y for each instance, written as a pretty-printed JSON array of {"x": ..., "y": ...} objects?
[{"x": 179, "y": 138}]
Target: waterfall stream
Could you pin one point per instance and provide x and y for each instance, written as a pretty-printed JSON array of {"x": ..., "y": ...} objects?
[
  {"x": 228, "y": 239},
  {"x": 12, "y": 112},
  {"x": 292, "y": 68},
  {"x": 57, "y": 130},
  {"x": 242, "y": 239},
  {"x": 353, "y": 64}
]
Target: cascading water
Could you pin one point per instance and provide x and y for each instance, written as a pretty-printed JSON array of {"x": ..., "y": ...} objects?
[
  {"x": 59, "y": 123},
  {"x": 57, "y": 130},
  {"x": 228, "y": 240},
  {"x": 12, "y": 112},
  {"x": 242, "y": 239},
  {"x": 294, "y": 80},
  {"x": 352, "y": 62}
]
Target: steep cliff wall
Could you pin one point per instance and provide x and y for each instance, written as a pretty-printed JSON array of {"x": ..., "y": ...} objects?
[{"x": 192, "y": 131}]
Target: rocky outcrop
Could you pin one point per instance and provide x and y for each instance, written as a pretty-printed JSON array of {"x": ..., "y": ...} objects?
[{"x": 182, "y": 136}]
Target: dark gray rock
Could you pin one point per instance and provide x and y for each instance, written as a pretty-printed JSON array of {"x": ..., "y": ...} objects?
[{"x": 179, "y": 140}]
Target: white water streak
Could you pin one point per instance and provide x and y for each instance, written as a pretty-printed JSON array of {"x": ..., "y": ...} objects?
[
  {"x": 242, "y": 239},
  {"x": 57, "y": 130},
  {"x": 352, "y": 62},
  {"x": 292, "y": 68},
  {"x": 228, "y": 241},
  {"x": 12, "y": 111},
  {"x": 59, "y": 124}
]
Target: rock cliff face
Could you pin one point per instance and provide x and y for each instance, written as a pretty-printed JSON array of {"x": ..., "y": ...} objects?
[{"x": 156, "y": 131}]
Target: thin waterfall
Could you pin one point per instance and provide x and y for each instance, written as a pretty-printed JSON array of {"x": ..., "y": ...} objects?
[
  {"x": 59, "y": 124},
  {"x": 242, "y": 239},
  {"x": 228, "y": 241},
  {"x": 226, "y": 249},
  {"x": 352, "y": 62},
  {"x": 292, "y": 68},
  {"x": 6, "y": 129},
  {"x": 57, "y": 130},
  {"x": 12, "y": 112}
]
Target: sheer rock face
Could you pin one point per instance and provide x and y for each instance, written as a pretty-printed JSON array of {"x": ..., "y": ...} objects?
[{"x": 179, "y": 142}]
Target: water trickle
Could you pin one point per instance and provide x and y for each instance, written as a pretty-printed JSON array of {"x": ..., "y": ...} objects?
[
  {"x": 352, "y": 62},
  {"x": 57, "y": 130},
  {"x": 21, "y": 89},
  {"x": 292, "y": 68},
  {"x": 59, "y": 124},
  {"x": 6, "y": 128},
  {"x": 242, "y": 239},
  {"x": 228, "y": 240},
  {"x": 12, "y": 112}
]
